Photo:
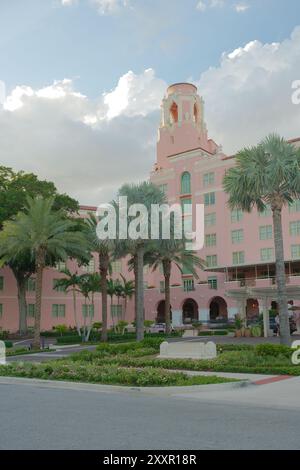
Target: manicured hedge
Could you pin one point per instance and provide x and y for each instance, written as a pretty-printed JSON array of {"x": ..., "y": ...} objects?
[{"x": 213, "y": 333}]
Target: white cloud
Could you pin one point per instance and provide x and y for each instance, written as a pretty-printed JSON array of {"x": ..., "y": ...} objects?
[
  {"x": 203, "y": 5},
  {"x": 87, "y": 147},
  {"x": 241, "y": 7},
  {"x": 249, "y": 94},
  {"x": 104, "y": 7}
]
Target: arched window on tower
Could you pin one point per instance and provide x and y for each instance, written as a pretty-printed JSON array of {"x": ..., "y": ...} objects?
[
  {"x": 186, "y": 183},
  {"x": 174, "y": 113},
  {"x": 196, "y": 113}
]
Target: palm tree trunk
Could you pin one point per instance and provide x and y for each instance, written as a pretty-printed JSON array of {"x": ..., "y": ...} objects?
[
  {"x": 285, "y": 337},
  {"x": 75, "y": 312},
  {"x": 136, "y": 276},
  {"x": 21, "y": 284},
  {"x": 40, "y": 264},
  {"x": 103, "y": 272},
  {"x": 167, "y": 275},
  {"x": 140, "y": 295}
]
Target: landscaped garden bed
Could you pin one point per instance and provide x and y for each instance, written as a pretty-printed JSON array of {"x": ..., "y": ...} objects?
[{"x": 136, "y": 364}]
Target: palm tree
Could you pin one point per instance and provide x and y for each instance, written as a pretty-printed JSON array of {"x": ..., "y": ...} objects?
[
  {"x": 70, "y": 283},
  {"x": 43, "y": 232},
  {"x": 104, "y": 249},
  {"x": 165, "y": 253},
  {"x": 147, "y": 194},
  {"x": 89, "y": 284},
  {"x": 111, "y": 292},
  {"x": 268, "y": 175},
  {"x": 127, "y": 292}
]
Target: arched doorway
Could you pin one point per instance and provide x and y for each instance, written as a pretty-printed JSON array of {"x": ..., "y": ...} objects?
[
  {"x": 252, "y": 309},
  {"x": 218, "y": 309},
  {"x": 190, "y": 311},
  {"x": 160, "y": 317}
]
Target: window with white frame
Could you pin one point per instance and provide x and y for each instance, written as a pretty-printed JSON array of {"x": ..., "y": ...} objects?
[
  {"x": 116, "y": 266},
  {"x": 267, "y": 254},
  {"x": 209, "y": 199},
  {"x": 116, "y": 311},
  {"x": 237, "y": 215},
  {"x": 90, "y": 267},
  {"x": 1, "y": 310},
  {"x": 61, "y": 266},
  {"x": 31, "y": 284},
  {"x": 237, "y": 236},
  {"x": 238, "y": 257},
  {"x": 58, "y": 310},
  {"x": 88, "y": 310},
  {"x": 295, "y": 228},
  {"x": 210, "y": 219},
  {"x": 265, "y": 232},
  {"x": 30, "y": 310},
  {"x": 188, "y": 285},
  {"x": 267, "y": 212},
  {"x": 213, "y": 282},
  {"x": 295, "y": 251},
  {"x": 211, "y": 239},
  {"x": 1, "y": 282},
  {"x": 211, "y": 261},
  {"x": 208, "y": 179}
]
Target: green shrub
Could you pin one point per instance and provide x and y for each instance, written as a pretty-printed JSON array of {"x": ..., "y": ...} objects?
[
  {"x": 73, "y": 339},
  {"x": 105, "y": 374},
  {"x": 213, "y": 333},
  {"x": 8, "y": 344},
  {"x": 273, "y": 350}
]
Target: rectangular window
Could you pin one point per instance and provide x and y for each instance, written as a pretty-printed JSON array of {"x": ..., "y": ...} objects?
[
  {"x": 209, "y": 199},
  {"x": 208, "y": 179},
  {"x": 266, "y": 232},
  {"x": 294, "y": 206},
  {"x": 1, "y": 282},
  {"x": 116, "y": 266},
  {"x": 59, "y": 288},
  {"x": 163, "y": 188},
  {"x": 236, "y": 215},
  {"x": 267, "y": 212},
  {"x": 186, "y": 206},
  {"x": 162, "y": 287},
  {"x": 88, "y": 310},
  {"x": 211, "y": 239},
  {"x": 89, "y": 268},
  {"x": 237, "y": 236},
  {"x": 31, "y": 284},
  {"x": 213, "y": 283},
  {"x": 116, "y": 311},
  {"x": 188, "y": 285},
  {"x": 211, "y": 261},
  {"x": 238, "y": 257},
  {"x": 295, "y": 251},
  {"x": 1, "y": 310},
  {"x": 267, "y": 254},
  {"x": 295, "y": 228},
  {"x": 30, "y": 310},
  {"x": 210, "y": 219},
  {"x": 58, "y": 310},
  {"x": 61, "y": 266}
]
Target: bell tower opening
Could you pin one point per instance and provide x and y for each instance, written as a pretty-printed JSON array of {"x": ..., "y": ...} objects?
[{"x": 174, "y": 113}]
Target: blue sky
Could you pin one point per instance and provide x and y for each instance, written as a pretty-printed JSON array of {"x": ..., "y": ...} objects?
[
  {"x": 85, "y": 79},
  {"x": 41, "y": 41}
]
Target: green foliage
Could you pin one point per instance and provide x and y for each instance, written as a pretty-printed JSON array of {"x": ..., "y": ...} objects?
[
  {"x": 213, "y": 333},
  {"x": 73, "y": 339},
  {"x": 3, "y": 334},
  {"x": 256, "y": 331},
  {"x": 8, "y": 344},
  {"x": 274, "y": 350},
  {"x": 61, "y": 329},
  {"x": 106, "y": 374},
  {"x": 120, "y": 326}
]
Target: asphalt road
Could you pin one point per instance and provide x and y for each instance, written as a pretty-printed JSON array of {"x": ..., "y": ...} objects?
[{"x": 46, "y": 417}]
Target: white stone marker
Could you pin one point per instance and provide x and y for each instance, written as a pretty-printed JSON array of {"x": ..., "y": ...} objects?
[
  {"x": 2, "y": 353},
  {"x": 188, "y": 350}
]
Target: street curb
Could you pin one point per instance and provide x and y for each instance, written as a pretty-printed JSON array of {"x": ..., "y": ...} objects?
[{"x": 56, "y": 384}]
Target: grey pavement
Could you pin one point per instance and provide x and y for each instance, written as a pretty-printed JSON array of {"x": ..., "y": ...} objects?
[{"x": 58, "y": 416}]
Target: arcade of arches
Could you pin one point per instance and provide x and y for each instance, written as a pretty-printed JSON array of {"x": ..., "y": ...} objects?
[{"x": 218, "y": 309}]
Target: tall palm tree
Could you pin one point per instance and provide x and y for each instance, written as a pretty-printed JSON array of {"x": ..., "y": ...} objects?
[
  {"x": 43, "y": 232},
  {"x": 268, "y": 174},
  {"x": 70, "y": 283},
  {"x": 165, "y": 253},
  {"x": 145, "y": 193},
  {"x": 88, "y": 284},
  {"x": 104, "y": 249}
]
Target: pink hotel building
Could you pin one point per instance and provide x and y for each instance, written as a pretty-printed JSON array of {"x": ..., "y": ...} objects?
[{"x": 239, "y": 253}]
